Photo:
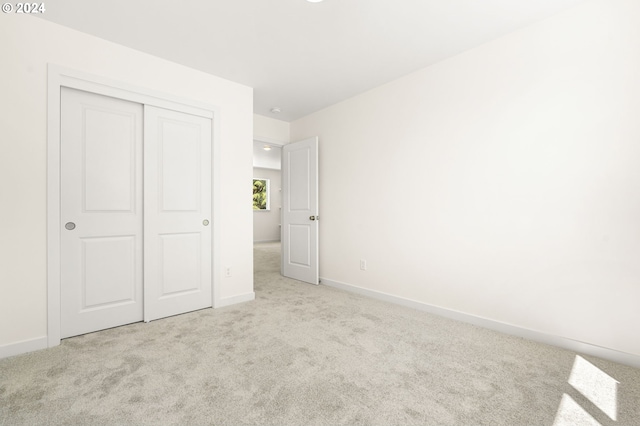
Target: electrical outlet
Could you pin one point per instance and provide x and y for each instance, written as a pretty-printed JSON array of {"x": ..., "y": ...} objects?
[
  {"x": 363, "y": 264},
  {"x": 227, "y": 271}
]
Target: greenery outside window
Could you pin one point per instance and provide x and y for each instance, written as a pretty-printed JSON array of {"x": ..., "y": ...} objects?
[{"x": 261, "y": 194}]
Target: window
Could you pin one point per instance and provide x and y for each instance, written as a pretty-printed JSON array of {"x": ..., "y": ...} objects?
[{"x": 261, "y": 194}]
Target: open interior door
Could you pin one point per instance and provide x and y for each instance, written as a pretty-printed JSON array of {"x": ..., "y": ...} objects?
[{"x": 300, "y": 210}]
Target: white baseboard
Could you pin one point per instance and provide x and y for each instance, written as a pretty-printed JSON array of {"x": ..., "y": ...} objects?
[
  {"x": 562, "y": 342},
  {"x": 266, "y": 241},
  {"x": 241, "y": 298},
  {"x": 23, "y": 347}
]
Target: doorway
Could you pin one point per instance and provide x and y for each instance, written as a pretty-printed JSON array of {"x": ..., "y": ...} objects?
[
  {"x": 297, "y": 172},
  {"x": 267, "y": 192}
]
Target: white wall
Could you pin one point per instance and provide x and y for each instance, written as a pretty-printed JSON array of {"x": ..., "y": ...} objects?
[
  {"x": 270, "y": 129},
  {"x": 270, "y": 159},
  {"x": 503, "y": 182},
  {"x": 266, "y": 224},
  {"x": 27, "y": 44}
]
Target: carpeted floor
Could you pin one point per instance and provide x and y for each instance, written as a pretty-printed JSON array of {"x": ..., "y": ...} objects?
[{"x": 307, "y": 355}]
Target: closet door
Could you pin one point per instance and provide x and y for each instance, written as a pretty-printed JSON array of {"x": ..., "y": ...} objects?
[
  {"x": 177, "y": 217},
  {"x": 101, "y": 212}
]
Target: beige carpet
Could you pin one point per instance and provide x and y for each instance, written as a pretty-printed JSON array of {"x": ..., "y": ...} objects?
[{"x": 307, "y": 355}]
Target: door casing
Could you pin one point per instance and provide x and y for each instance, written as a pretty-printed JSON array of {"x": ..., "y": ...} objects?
[{"x": 64, "y": 77}]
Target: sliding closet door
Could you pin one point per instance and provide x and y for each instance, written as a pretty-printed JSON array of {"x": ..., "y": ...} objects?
[
  {"x": 101, "y": 212},
  {"x": 177, "y": 217},
  {"x": 135, "y": 211}
]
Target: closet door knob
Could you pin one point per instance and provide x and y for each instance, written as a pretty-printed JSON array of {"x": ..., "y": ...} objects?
[
  {"x": 312, "y": 218},
  {"x": 205, "y": 222},
  {"x": 70, "y": 226}
]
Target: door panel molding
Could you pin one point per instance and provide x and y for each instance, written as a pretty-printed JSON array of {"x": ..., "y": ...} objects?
[{"x": 59, "y": 77}]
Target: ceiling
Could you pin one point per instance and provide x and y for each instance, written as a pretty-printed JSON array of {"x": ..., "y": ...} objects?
[{"x": 297, "y": 55}]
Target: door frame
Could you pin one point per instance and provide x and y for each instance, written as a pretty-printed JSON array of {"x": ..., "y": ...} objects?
[{"x": 65, "y": 77}]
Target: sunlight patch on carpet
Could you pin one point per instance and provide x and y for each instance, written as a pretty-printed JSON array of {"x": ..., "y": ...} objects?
[{"x": 594, "y": 384}]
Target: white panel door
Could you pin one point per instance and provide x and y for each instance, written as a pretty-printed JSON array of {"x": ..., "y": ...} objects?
[
  {"x": 177, "y": 198},
  {"x": 300, "y": 210},
  {"x": 101, "y": 212}
]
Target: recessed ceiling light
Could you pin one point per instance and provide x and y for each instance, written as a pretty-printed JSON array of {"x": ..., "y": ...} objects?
[
  {"x": 267, "y": 148},
  {"x": 276, "y": 110}
]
